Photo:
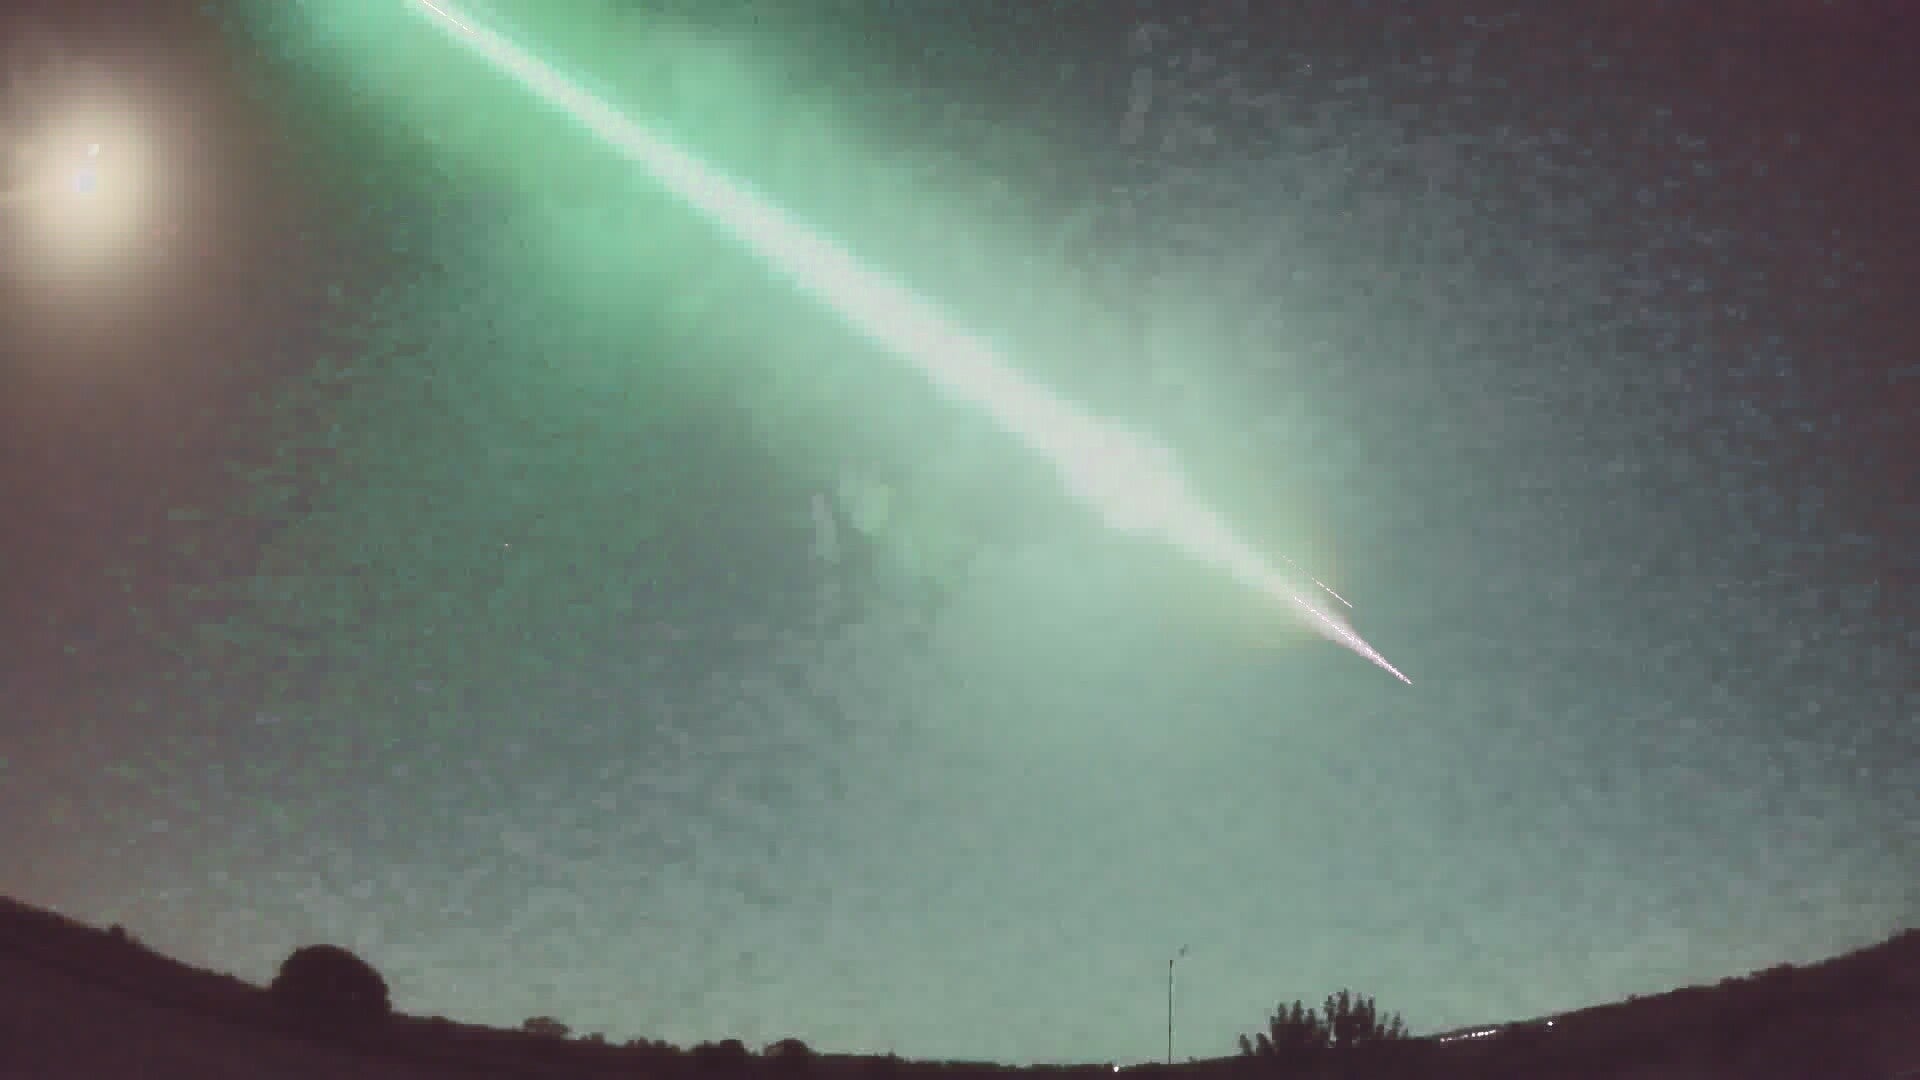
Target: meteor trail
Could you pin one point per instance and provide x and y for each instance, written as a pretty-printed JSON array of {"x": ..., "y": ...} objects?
[
  {"x": 1318, "y": 582},
  {"x": 1133, "y": 483}
]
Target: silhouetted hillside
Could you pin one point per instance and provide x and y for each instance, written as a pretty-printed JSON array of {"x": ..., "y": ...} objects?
[{"x": 80, "y": 1002}]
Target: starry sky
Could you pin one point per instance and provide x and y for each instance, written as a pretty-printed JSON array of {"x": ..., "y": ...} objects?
[{"x": 420, "y": 533}]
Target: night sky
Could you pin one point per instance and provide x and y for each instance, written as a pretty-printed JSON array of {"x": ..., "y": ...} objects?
[{"x": 420, "y": 533}]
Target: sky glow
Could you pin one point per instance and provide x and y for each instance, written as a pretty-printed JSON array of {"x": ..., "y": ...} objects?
[
  {"x": 427, "y": 535},
  {"x": 1132, "y": 483}
]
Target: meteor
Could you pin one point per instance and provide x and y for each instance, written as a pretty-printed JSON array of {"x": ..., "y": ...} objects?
[{"x": 1131, "y": 482}]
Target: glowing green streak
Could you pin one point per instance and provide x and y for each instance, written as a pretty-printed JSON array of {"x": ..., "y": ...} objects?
[{"x": 1133, "y": 483}]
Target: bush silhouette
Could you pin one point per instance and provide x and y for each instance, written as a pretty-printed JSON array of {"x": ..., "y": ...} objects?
[
  {"x": 729, "y": 1056},
  {"x": 1345, "y": 1023},
  {"x": 545, "y": 1026},
  {"x": 789, "y": 1055},
  {"x": 329, "y": 988}
]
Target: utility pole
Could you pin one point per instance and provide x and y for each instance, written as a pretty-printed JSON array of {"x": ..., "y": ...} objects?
[{"x": 1170, "y": 960}]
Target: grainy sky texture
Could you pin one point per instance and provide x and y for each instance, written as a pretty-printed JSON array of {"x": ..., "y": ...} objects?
[{"x": 422, "y": 534}]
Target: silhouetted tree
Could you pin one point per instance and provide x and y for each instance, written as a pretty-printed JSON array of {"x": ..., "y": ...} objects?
[
  {"x": 545, "y": 1026},
  {"x": 728, "y": 1056},
  {"x": 1297, "y": 1035},
  {"x": 1355, "y": 1021},
  {"x": 660, "y": 1056},
  {"x": 328, "y": 987},
  {"x": 789, "y": 1055}
]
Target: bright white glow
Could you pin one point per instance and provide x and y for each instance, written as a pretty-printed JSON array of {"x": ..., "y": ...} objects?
[
  {"x": 85, "y": 188},
  {"x": 1133, "y": 483},
  {"x": 86, "y": 175}
]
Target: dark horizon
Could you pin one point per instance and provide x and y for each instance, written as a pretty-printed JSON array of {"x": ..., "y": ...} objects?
[{"x": 1856, "y": 982}]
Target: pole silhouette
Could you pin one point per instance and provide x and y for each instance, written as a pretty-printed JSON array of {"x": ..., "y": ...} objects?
[{"x": 1170, "y": 960}]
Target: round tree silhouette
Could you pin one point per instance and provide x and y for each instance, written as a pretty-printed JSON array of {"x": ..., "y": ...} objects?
[{"x": 329, "y": 987}]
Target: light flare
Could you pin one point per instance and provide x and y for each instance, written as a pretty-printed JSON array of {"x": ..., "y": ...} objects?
[{"x": 1133, "y": 483}]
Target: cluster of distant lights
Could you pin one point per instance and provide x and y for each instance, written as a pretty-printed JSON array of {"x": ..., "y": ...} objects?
[
  {"x": 1477, "y": 1033},
  {"x": 1457, "y": 1036}
]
